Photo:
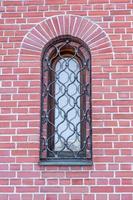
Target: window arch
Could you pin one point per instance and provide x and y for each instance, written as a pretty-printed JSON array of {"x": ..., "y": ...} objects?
[{"x": 66, "y": 131}]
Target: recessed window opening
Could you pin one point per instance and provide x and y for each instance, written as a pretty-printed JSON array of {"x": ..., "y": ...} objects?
[{"x": 66, "y": 135}]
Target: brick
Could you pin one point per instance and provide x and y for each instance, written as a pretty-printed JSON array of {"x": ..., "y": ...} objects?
[
  {"x": 77, "y": 181},
  {"x": 119, "y": 1},
  {"x": 123, "y": 131},
  {"x": 114, "y": 196},
  {"x": 51, "y": 196},
  {"x": 127, "y": 181},
  {"x": 27, "y": 182},
  {"x": 120, "y": 24},
  {"x": 89, "y": 181},
  {"x": 76, "y": 196},
  {"x": 52, "y": 182},
  {"x": 98, "y": 13},
  {"x": 33, "y": 2},
  {"x": 49, "y": 189},
  {"x": 100, "y": 167},
  {"x": 114, "y": 182},
  {"x": 4, "y": 196},
  {"x": 42, "y": 196},
  {"x": 101, "y": 174},
  {"x": 32, "y": 14},
  {"x": 124, "y": 189},
  {"x": 76, "y": 1},
  {"x": 23, "y": 189},
  {"x": 77, "y": 174},
  {"x": 76, "y": 7},
  {"x": 64, "y": 181},
  {"x": 6, "y": 189},
  {"x": 101, "y": 189},
  {"x": 11, "y": 15},
  {"x": 125, "y": 167},
  {"x": 50, "y": 2},
  {"x": 101, "y": 196},
  {"x": 126, "y": 196},
  {"x": 89, "y": 196},
  {"x": 53, "y": 13},
  {"x": 14, "y": 167},
  {"x": 15, "y": 181},
  {"x": 4, "y": 182},
  {"x": 9, "y": 3},
  {"x": 120, "y": 12},
  {"x": 76, "y": 189},
  {"x": 9, "y": 27},
  {"x": 124, "y": 174},
  {"x": 53, "y": 174},
  {"x": 103, "y": 159},
  {"x": 102, "y": 145},
  {"x": 26, "y": 159},
  {"x": 113, "y": 167},
  {"x": 102, "y": 182},
  {"x": 124, "y": 159}
]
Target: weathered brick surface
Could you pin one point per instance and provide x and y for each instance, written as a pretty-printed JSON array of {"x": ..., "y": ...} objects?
[{"x": 25, "y": 27}]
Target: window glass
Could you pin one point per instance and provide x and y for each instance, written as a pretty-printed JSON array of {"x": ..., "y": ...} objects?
[{"x": 67, "y": 110}]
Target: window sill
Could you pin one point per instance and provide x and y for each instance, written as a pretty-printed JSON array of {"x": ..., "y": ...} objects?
[{"x": 66, "y": 163}]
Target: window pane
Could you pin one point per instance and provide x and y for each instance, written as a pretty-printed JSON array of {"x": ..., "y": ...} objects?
[{"x": 67, "y": 109}]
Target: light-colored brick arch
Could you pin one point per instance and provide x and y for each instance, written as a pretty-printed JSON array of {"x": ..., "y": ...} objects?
[{"x": 82, "y": 27}]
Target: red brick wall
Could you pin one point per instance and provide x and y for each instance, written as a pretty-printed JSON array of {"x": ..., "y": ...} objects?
[{"x": 109, "y": 35}]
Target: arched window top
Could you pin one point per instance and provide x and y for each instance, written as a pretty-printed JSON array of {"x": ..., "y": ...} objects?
[
  {"x": 66, "y": 46},
  {"x": 66, "y": 102}
]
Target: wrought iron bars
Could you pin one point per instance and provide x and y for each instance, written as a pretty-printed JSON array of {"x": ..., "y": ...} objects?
[{"x": 66, "y": 101}]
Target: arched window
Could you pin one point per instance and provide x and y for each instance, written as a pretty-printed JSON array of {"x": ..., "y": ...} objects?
[{"x": 66, "y": 135}]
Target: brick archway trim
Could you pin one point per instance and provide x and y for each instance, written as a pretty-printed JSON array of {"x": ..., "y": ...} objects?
[{"x": 81, "y": 27}]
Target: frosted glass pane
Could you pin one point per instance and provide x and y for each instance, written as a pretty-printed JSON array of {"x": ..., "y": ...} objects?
[{"x": 67, "y": 109}]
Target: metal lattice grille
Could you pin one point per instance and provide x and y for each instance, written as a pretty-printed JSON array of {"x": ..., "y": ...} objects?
[{"x": 66, "y": 101}]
